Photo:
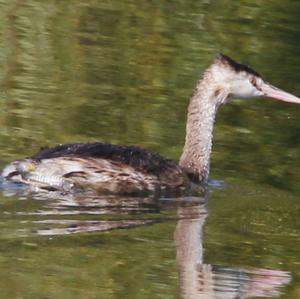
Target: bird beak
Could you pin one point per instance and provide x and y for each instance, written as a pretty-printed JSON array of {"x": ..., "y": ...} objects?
[{"x": 275, "y": 93}]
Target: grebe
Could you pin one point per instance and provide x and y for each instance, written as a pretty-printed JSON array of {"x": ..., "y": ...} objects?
[{"x": 127, "y": 169}]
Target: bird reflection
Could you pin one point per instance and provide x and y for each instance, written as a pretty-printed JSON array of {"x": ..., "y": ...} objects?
[
  {"x": 199, "y": 280},
  {"x": 196, "y": 279}
]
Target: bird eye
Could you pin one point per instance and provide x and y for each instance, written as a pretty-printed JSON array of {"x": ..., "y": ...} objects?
[{"x": 253, "y": 81}]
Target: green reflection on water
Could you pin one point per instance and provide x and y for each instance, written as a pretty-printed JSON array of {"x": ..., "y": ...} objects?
[{"x": 123, "y": 73}]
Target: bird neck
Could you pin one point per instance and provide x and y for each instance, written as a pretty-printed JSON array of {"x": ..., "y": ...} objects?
[{"x": 195, "y": 159}]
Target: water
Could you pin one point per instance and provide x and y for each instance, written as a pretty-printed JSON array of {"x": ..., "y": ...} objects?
[{"x": 123, "y": 72}]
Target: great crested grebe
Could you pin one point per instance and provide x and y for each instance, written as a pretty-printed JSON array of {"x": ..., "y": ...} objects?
[{"x": 126, "y": 169}]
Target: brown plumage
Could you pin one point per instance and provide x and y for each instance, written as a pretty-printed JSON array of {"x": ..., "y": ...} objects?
[
  {"x": 104, "y": 167},
  {"x": 128, "y": 169}
]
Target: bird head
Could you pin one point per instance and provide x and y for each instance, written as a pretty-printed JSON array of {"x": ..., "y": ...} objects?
[{"x": 241, "y": 81}]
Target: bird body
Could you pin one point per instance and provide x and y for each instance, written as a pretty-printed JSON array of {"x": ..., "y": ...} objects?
[
  {"x": 107, "y": 168},
  {"x": 127, "y": 169}
]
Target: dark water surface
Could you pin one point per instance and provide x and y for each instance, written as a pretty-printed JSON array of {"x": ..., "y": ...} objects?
[{"x": 122, "y": 72}]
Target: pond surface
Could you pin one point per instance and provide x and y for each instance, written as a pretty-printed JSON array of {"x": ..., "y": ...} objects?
[{"x": 123, "y": 72}]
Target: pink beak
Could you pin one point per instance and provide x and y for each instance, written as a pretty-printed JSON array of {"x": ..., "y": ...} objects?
[{"x": 278, "y": 94}]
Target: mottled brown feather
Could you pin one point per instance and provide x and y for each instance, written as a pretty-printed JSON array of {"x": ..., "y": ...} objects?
[{"x": 167, "y": 171}]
